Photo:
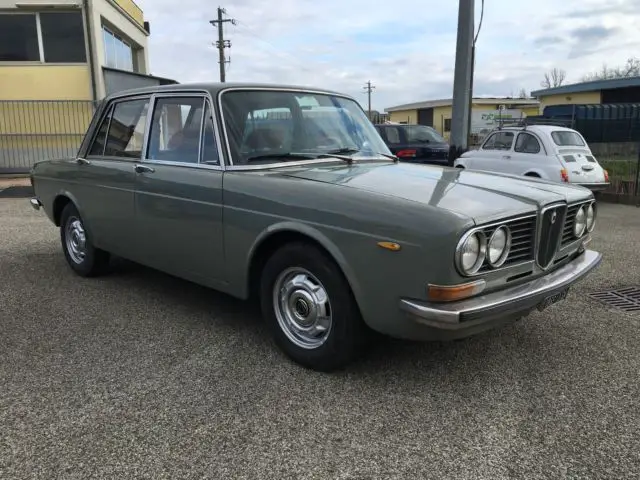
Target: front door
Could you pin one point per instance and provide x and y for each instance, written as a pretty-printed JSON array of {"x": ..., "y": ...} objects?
[
  {"x": 105, "y": 175},
  {"x": 178, "y": 192},
  {"x": 495, "y": 154}
]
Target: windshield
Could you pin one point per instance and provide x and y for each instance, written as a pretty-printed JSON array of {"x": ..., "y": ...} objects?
[
  {"x": 274, "y": 126},
  {"x": 422, "y": 134},
  {"x": 566, "y": 138}
]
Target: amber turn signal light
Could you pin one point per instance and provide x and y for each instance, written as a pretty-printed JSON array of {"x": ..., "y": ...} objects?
[{"x": 451, "y": 293}]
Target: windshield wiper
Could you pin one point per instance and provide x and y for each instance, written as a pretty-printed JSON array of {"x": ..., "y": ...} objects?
[
  {"x": 351, "y": 150},
  {"x": 301, "y": 156}
]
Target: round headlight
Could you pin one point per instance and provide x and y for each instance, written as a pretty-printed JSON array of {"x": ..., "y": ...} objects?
[
  {"x": 580, "y": 223},
  {"x": 498, "y": 246},
  {"x": 591, "y": 218},
  {"x": 471, "y": 253}
]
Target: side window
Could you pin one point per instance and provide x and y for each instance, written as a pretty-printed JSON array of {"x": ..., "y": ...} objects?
[
  {"x": 209, "y": 146},
  {"x": 175, "y": 129},
  {"x": 499, "y": 141},
  {"x": 97, "y": 147},
  {"x": 126, "y": 131},
  {"x": 393, "y": 135},
  {"x": 527, "y": 143}
]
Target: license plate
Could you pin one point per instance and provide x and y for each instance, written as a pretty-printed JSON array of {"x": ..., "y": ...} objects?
[{"x": 551, "y": 299}]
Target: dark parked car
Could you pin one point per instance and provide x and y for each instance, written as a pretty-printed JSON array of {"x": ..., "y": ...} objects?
[{"x": 415, "y": 143}]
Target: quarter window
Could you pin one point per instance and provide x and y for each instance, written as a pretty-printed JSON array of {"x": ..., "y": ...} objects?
[
  {"x": 499, "y": 141},
  {"x": 101, "y": 137},
  {"x": 176, "y": 129},
  {"x": 209, "y": 145},
  {"x": 527, "y": 143},
  {"x": 126, "y": 130}
]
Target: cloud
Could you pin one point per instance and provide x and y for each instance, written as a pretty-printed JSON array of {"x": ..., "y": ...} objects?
[{"x": 405, "y": 48}]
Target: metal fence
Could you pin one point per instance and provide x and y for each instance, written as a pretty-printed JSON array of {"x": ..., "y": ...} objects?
[{"x": 35, "y": 130}]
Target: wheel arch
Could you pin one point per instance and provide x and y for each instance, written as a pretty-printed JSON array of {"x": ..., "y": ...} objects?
[
  {"x": 278, "y": 235},
  {"x": 60, "y": 201},
  {"x": 535, "y": 173}
]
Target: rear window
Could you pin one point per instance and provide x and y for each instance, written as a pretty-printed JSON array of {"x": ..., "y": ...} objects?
[{"x": 566, "y": 138}]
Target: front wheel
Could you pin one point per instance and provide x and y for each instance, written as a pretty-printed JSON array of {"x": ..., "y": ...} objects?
[
  {"x": 83, "y": 258},
  {"x": 309, "y": 308}
]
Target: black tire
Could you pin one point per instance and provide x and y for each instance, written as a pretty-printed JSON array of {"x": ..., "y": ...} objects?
[
  {"x": 94, "y": 261},
  {"x": 532, "y": 175},
  {"x": 347, "y": 334},
  {"x": 460, "y": 167}
]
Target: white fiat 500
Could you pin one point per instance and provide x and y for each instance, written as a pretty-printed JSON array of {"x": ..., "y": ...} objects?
[{"x": 543, "y": 151}]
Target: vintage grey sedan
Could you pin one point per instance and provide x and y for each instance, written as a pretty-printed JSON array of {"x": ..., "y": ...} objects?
[{"x": 289, "y": 195}]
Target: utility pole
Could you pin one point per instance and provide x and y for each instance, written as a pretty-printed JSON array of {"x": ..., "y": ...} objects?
[
  {"x": 221, "y": 44},
  {"x": 369, "y": 88},
  {"x": 462, "y": 81}
]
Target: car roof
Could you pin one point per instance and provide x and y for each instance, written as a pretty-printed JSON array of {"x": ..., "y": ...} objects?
[
  {"x": 215, "y": 87},
  {"x": 536, "y": 128}
]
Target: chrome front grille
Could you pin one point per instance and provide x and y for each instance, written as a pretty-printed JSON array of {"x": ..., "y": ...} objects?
[
  {"x": 522, "y": 240},
  {"x": 552, "y": 223}
]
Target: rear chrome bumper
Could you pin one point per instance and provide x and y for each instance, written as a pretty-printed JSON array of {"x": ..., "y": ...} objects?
[
  {"x": 35, "y": 203},
  {"x": 478, "y": 313},
  {"x": 594, "y": 186}
]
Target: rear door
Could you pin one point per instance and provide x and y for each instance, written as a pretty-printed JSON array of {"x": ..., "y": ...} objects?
[
  {"x": 105, "y": 176},
  {"x": 178, "y": 194}
]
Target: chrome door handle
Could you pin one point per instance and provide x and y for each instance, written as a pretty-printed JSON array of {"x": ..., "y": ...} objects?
[
  {"x": 143, "y": 169},
  {"x": 82, "y": 161}
]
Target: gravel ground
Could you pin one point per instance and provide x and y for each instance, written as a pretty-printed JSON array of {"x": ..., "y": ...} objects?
[{"x": 141, "y": 375}]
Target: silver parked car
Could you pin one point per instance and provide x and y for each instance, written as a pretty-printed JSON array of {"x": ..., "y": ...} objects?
[{"x": 289, "y": 195}]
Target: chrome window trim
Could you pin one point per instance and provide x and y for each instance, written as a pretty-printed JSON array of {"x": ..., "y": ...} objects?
[
  {"x": 206, "y": 96},
  {"x": 231, "y": 166},
  {"x": 499, "y": 223}
]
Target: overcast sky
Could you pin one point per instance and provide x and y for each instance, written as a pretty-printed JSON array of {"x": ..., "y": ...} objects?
[{"x": 406, "y": 48}]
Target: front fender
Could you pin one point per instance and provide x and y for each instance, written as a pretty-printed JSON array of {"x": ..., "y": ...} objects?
[{"x": 314, "y": 234}]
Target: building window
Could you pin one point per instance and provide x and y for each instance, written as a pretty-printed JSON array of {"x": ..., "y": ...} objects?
[
  {"x": 118, "y": 53},
  {"x": 63, "y": 37},
  {"x": 51, "y": 37},
  {"x": 19, "y": 38}
]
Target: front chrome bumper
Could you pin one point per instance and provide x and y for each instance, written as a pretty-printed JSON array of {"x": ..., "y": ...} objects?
[{"x": 512, "y": 302}]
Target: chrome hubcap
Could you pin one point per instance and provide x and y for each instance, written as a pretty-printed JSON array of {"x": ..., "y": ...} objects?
[
  {"x": 76, "y": 240},
  {"x": 302, "y": 308}
]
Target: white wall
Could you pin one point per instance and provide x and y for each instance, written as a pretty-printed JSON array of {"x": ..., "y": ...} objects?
[{"x": 103, "y": 11}]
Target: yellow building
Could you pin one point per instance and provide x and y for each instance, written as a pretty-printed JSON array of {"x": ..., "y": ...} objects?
[
  {"x": 616, "y": 90},
  {"x": 437, "y": 113},
  {"x": 57, "y": 57}
]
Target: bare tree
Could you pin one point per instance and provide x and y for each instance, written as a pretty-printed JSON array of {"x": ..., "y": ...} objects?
[
  {"x": 630, "y": 69},
  {"x": 523, "y": 93},
  {"x": 553, "y": 78}
]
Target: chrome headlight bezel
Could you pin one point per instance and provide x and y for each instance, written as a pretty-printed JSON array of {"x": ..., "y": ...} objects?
[
  {"x": 505, "y": 251},
  {"x": 577, "y": 233},
  {"x": 592, "y": 207},
  {"x": 482, "y": 251}
]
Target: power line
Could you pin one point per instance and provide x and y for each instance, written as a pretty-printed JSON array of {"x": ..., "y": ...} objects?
[
  {"x": 369, "y": 88},
  {"x": 221, "y": 43}
]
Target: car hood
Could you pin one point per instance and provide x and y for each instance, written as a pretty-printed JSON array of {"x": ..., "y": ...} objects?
[{"x": 480, "y": 196}]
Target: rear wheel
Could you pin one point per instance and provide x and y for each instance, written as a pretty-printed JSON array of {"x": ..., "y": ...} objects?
[
  {"x": 534, "y": 175},
  {"x": 309, "y": 308},
  {"x": 81, "y": 255}
]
